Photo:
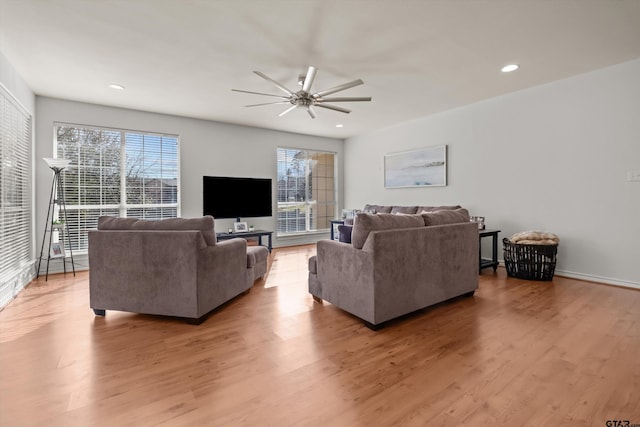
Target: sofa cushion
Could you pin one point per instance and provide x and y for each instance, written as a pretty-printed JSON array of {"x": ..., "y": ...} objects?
[
  {"x": 404, "y": 209},
  {"x": 366, "y": 223},
  {"x": 256, "y": 255},
  {"x": 422, "y": 209},
  {"x": 446, "y": 216},
  {"x": 377, "y": 209},
  {"x": 204, "y": 224},
  {"x": 313, "y": 265},
  {"x": 115, "y": 223}
]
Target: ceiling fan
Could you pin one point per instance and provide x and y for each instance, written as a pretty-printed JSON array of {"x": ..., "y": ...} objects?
[{"x": 304, "y": 98}]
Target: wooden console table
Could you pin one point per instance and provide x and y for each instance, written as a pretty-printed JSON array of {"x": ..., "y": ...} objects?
[
  {"x": 493, "y": 262},
  {"x": 248, "y": 234}
]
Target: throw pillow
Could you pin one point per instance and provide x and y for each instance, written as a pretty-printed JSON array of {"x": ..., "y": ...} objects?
[
  {"x": 345, "y": 233},
  {"x": 426, "y": 209},
  {"x": 377, "y": 208},
  {"x": 404, "y": 209},
  {"x": 534, "y": 238}
]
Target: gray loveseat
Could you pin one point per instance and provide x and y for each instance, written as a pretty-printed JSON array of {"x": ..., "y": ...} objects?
[
  {"x": 172, "y": 267},
  {"x": 397, "y": 264}
]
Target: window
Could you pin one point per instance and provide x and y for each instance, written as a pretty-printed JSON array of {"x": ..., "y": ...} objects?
[
  {"x": 306, "y": 190},
  {"x": 118, "y": 173},
  {"x": 16, "y": 238}
]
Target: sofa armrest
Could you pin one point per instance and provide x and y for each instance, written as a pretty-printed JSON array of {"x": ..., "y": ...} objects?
[
  {"x": 223, "y": 272},
  {"x": 345, "y": 275}
]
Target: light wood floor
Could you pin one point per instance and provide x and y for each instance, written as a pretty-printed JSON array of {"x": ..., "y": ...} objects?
[{"x": 517, "y": 354}]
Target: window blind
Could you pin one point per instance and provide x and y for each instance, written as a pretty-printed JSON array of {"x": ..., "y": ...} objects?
[
  {"x": 306, "y": 190},
  {"x": 117, "y": 173},
  {"x": 16, "y": 234}
]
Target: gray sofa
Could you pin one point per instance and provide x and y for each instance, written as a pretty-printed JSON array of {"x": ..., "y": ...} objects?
[
  {"x": 397, "y": 264},
  {"x": 172, "y": 267}
]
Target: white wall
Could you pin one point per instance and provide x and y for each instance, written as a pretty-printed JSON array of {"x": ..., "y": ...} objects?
[
  {"x": 206, "y": 148},
  {"x": 12, "y": 81},
  {"x": 553, "y": 158}
]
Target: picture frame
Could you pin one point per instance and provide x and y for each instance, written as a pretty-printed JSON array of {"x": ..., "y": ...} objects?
[
  {"x": 424, "y": 167},
  {"x": 240, "y": 227},
  {"x": 56, "y": 250},
  {"x": 478, "y": 220}
]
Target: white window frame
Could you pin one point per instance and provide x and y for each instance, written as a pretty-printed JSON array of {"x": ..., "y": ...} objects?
[
  {"x": 311, "y": 205},
  {"x": 122, "y": 207}
]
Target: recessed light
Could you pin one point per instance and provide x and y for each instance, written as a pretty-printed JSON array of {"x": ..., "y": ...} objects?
[
  {"x": 116, "y": 86},
  {"x": 339, "y": 125},
  {"x": 509, "y": 68}
]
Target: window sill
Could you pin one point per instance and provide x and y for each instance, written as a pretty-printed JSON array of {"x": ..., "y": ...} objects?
[{"x": 306, "y": 233}]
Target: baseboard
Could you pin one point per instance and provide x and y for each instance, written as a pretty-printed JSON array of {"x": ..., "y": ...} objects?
[
  {"x": 598, "y": 279},
  {"x": 592, "y": 278}
]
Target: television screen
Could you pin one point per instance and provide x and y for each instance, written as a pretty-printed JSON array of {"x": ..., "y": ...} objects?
[{"x": 227, "y": 197}]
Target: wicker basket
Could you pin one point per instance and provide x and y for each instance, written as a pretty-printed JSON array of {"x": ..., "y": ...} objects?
[{"x": 530, "y": 262}]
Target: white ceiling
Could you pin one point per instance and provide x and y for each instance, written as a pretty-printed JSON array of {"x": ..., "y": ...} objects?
[{"x": 416, "y": 57}]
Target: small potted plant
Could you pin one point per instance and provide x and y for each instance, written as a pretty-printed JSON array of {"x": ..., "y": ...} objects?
[
  {"x": 57, "y": 223},
  {"x": 251, "y": 227}
]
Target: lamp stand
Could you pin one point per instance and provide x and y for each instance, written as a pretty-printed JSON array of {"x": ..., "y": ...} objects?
[{"x": 49, "y": 228}]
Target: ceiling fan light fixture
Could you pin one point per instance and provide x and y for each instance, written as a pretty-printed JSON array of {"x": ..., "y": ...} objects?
[
  {"x": 305, "y": 97},
  {"x": 509, "y": 68}
]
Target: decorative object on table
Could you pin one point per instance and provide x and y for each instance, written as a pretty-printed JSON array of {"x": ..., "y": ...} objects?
[
  {"x": 56, "y": 221},
  {"x": 230, "y": 230},
  {"x": 531, "y": 255},
  {"x": 426, "y": 167},
  {"x": 478, "y": 220},
  {"x": 251, "y": 227},
  {"x": 240, "y": 227},
  {"x": 306, "y": 99},
  {"x": 57, "y": 250},
  {"x": 348, "y": 213}
]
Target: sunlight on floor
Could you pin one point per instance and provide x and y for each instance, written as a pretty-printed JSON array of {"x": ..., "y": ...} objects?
[{"x": 288, "y": 278}]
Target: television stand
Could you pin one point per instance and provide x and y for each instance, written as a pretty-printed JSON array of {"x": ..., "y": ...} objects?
[{"x": 248, "y": 234}]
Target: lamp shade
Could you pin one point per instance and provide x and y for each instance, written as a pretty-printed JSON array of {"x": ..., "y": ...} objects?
[{"x": 58, "y": 164}]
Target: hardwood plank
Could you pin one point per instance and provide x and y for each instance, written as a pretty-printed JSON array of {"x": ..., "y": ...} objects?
[{"x": 517, "y": 353}]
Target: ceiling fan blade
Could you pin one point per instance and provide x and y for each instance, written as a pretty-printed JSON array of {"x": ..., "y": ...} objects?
[
  {"x": 268, "y": 103},
  {"x": 332, "y": 107},
  {"x": 278, "y": 85},
  {"x": 259, "y": 93},
  {"x": 345, "y": 99},
  {"x": 338, "y": 88},
  {"x": 287, "y": 110},
  {"x": 311, "y": 112},
  {"x": 308, "y": 80}
]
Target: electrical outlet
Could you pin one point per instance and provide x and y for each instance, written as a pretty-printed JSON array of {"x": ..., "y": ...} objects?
[{"x": 633, "y": 175}]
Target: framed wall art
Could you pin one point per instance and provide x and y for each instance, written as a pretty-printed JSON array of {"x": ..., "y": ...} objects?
[{"x": 425, "y": 167}]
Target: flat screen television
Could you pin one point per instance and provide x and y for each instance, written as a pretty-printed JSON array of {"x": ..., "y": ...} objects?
[{"x": 227, "y": 197}]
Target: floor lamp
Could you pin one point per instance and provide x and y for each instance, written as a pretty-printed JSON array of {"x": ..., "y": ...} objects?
[{"x": 57, "y": 165}]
